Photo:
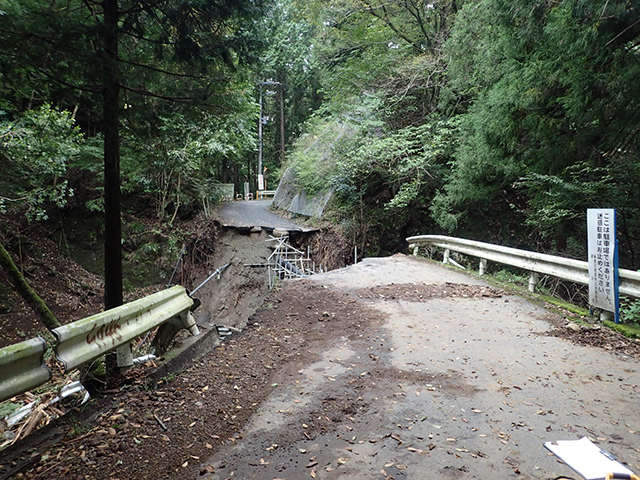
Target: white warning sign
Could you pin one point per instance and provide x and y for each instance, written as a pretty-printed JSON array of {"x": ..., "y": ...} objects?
[{"x": 601, "y": 230}]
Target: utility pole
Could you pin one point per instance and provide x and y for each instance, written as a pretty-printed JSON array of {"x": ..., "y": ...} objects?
[
  {"x": 260, "y": 141},
  {"x": 281, "y": 124}
]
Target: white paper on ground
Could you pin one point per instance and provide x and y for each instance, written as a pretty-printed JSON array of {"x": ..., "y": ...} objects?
[{"x": 586, "y": 458}]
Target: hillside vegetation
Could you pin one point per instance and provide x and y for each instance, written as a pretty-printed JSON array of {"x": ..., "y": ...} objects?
[{"x": 489, "y": 119}]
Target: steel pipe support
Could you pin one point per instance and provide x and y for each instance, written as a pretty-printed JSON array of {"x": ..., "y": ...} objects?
[{"x": 482, "y": 269}]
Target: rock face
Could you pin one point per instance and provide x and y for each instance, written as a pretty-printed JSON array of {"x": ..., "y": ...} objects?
[{"x": 288, "y": 197}]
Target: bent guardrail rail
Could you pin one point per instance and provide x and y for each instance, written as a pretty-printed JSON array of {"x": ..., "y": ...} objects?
[
  {"x": 22, "y": 367},
  {"x": 537, "y": 263},
  {"x": 87, "y": 339}
]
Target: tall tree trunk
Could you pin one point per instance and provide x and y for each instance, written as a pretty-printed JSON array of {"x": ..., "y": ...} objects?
[
  {"x": 225, "y": 173},
  {"x": 31, "y": 297},
  {"x": 282, "y": 159},
  {"x": 113, "y": 228},
  {"x": 236, "y": 179}
]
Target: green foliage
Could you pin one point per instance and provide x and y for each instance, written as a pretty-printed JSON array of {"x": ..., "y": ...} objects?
[
  {"x": 406, "y": 163},
  {"x": 290, "y": 59},
  {"x": 559, "y": 202},
  {"x": 313, "y": 159},
  {"x": 630, "y": 311},
  {"x": 549, "y": 116},
  {"x": 392, "y": 49},
  {"x": 187, "y": 101},
  {"x": 380, "y": 178},
  {"x": 630, "y": 331},
  {"x": 186, "y": 153},
  {"x": 7, "y": 408},
  {"x": 36, "y": 149},
  {"x": 379, "y": 141},
  {"x": 511, "y": 276},
  {"x": 497, "y": 119}
]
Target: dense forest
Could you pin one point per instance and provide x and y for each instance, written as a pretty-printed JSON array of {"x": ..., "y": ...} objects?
[{"x": 495, "y": 120}]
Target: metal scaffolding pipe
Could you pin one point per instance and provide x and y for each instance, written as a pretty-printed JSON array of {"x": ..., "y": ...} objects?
[{"x": 217, "y": 272}]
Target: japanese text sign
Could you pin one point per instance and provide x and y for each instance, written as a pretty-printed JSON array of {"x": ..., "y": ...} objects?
[{"x": 601, "y": 230}]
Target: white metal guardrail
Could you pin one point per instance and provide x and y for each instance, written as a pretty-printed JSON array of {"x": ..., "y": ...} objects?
[
  {"x": 537, "y": 263},
  {"x": 90, "y": 338},
  {"x": 22, "y": 367},
  {"x": 266, "y": 193}
]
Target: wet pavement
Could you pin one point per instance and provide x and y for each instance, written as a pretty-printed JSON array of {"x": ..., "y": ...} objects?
[
  {"x": 452, "y": 387},
  {"x": 255, "y": 213}
]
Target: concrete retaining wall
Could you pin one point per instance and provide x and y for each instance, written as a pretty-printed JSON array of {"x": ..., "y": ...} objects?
[{"x": 288, "y": 197}]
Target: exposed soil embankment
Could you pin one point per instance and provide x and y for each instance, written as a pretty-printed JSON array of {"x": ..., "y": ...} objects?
[
  {"x": 241, "y": 289},
  {"x": 230, "y": 298},
  {"x": 328, "y": 248},
  {"x": 70, "y": 291},
  {"x": 46, "y": 257}
]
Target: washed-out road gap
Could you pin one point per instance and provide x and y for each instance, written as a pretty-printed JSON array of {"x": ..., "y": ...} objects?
[
  {"x": 457, "y": 380},
  {"x": 242, "y": 289}
]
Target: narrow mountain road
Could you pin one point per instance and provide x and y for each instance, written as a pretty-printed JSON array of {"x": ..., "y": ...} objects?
[
  {"x": 393, "y": 368},
  {"x": 448, "y": 378},
  {"x": 255, "y": 213}
]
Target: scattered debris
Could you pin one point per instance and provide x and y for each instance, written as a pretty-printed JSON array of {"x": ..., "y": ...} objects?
[
  {"x": 421, "y": 292},
  {"x": 39, "y": 411},
  {"x": 144, "y": 359}
]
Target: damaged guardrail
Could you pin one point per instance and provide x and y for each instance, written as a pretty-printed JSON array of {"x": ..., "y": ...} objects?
[
  {"x": 87, "y": 339},
  {"x": 22, "y": 365},
  {"x": 536, "y": 263}
]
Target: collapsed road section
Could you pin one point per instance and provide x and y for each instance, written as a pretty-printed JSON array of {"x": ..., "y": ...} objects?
[
  {"x": 259, "y": 248},
  {"x": 394, "y": 365},
  {"x": 229, "y": 271}
]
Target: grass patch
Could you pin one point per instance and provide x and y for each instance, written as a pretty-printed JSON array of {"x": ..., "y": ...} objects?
[
  {"x": 629, "y": 330},
  {"x": 575, "y": 309}
]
